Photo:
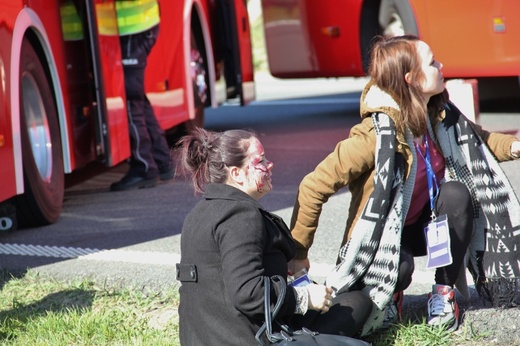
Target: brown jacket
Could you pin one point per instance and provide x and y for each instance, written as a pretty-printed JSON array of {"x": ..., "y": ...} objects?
[{"x": 352, "y": 164}]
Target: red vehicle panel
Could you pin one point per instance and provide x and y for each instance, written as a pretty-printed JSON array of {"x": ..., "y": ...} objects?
[
  {"x": 63, "y": 103},
  {"x": 331, "y": 38}
]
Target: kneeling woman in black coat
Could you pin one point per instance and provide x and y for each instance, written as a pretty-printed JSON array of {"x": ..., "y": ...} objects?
[{"x": 229, "y": 243}]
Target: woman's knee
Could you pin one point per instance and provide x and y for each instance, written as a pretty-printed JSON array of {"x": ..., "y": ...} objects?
[
  {"x": 454, "y": 198},
  {"x": 360, "y": 297},
  {"x": 357, "y": 303}
]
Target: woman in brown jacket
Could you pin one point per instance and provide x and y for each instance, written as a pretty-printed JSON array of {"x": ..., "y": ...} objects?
[{"x": 414, "y": 162}]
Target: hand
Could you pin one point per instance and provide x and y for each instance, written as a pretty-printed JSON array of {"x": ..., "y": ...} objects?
[
  {"x": 295, "y": 265},
  {"x": 320, "y": 297},
  {"x": 515, "y": 150}
]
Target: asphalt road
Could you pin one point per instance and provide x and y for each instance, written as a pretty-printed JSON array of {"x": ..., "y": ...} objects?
[{"x": 132, "y": 237}]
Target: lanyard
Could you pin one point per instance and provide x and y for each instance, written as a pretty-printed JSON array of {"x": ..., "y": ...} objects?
[{"x": 433, "y": 187}]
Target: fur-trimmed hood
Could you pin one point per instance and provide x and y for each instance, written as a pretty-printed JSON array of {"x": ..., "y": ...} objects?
[{"x": 373, "y": 100}]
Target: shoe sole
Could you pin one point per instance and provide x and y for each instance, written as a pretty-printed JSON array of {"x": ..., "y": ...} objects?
[
  {"x": 455, "y": 325},
  {"x": 452, "y": 328},
  {"x": 141, "y": 185},
  {"x": 455, "y": 322},
  {"x": 166, "y": 176}
]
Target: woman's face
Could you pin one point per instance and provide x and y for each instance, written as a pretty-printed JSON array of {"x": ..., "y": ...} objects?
[
  {"x": 433, "y": 82},
  {"x": 258, "y": 171}
]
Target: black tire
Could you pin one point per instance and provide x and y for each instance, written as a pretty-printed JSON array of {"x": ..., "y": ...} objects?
[
  {"x": 397, "y": 18},
  {"x": 42, "y": 200},
  {"x": 199, "y": 80}
]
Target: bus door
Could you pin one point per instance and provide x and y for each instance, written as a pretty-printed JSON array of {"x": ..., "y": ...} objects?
[
  {"x": 110, "y": 118},
  {"x": 236, "y": 36}
]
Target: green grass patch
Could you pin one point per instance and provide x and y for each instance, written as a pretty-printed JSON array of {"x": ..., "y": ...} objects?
[
  {"x": 417, "y": 332},
  {"x": 37, "y": 310}
]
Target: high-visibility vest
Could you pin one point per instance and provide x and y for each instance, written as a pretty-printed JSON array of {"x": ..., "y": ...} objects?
[
  {"x": 134, "y": 16},
  {"x": 71, "y": 25},
  {"x": 106, "y": 19}
]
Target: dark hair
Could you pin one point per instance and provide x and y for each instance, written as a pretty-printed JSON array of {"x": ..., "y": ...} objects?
[
  {"x": 391, "y": 58},
  {"x": 206, "y": 155}
]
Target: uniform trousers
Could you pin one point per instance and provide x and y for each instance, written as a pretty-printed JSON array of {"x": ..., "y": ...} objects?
[{"x": 150, "y": 150}]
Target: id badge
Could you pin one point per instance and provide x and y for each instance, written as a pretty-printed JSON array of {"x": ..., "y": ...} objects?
[
  {"x": 299, "y": 279},
  {"x": 438, "y": 243}
]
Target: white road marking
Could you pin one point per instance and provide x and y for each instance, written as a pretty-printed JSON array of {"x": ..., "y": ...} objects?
[
  {"x": 113, "y": 255},
  {"x": 139, "y": 257}
]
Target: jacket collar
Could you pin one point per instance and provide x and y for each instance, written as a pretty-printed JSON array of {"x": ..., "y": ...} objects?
[
  {"x": 228, "y": 192},
  {"x": 375, "y": 100}
]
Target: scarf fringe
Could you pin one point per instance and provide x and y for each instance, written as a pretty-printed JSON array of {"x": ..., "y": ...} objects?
[{"x": 499, "y": 292}]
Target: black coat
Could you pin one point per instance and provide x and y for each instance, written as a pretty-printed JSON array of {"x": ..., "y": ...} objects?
[{"x": 231, "y": 242}]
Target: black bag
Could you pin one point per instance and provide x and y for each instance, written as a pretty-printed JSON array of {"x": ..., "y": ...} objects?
[{"x": 286, "y": 336}]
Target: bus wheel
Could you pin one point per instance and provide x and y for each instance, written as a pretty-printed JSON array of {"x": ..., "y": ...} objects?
[
  {"x": 42, "y": 157},
  {"x": 396, "y": 18},
  {"x": 199, "y": 80}
]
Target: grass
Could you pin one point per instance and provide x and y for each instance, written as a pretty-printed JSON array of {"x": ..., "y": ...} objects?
[
  {"x": 39, "y": 310},
  {"x": 417, "y": 333}
]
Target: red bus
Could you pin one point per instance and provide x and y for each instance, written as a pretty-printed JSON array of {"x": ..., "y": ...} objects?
[
  {"x": 331, "y": 38},
  {"x": 62, "y": 100}
]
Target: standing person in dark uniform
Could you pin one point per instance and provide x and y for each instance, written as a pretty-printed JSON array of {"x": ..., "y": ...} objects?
[{"x": 138, "y": 24}]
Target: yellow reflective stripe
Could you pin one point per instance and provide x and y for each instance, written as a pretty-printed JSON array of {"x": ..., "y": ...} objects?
[
  {"x": 67, "y": 10},
  {"x": 70, "y": 22},
  {"x": 135, "y": 4},
  {"x": 72, "y": 31},
  {"x": 136, "y": 16},
  {"x": 106, "y": 19}
]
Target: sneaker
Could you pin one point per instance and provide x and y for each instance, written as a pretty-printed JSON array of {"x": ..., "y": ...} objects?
[
  {"x": 394, "y": 311},
  {"x": 442, "y": 307}
]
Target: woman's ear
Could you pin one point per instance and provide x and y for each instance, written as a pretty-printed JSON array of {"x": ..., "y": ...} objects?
[
  {"x": 408, "y": 78},
  {"x": 236, "y": 174}
]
